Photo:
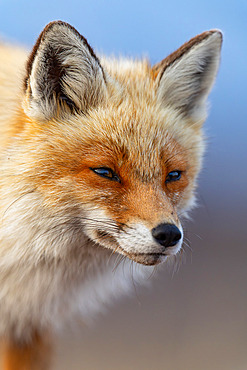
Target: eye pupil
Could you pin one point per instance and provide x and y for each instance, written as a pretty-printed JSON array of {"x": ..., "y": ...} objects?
[
  {"x": 107, "y": 173},
  {"x": 103, "y": 172},
  {"x": 173, "y": 176}
]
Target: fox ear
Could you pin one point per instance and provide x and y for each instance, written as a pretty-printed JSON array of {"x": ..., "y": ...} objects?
[
  {"x": 185, "y": 78},
  {"x": 63, "y": 74}
]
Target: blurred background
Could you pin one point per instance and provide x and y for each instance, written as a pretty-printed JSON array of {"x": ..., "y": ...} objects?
[{"x": 196, "y": 318}]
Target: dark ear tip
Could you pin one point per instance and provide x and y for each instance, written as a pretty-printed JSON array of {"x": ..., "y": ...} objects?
[
  {"x": 51, "y": 24},
  {"x": 30, "y": 60},
  {"x": 41, "y": 38},
  {"x": 159, "y": 68},
  {"x": 54, "y": 82},
  {"x": 217, "y": 35},
  {"x": 218, "y": 32},
  {"x": 62, "y": 24},
  {"x": 56, "y": 22}
]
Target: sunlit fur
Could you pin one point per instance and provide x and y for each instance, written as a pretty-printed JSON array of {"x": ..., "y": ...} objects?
[{"x": 62, "y": 226}]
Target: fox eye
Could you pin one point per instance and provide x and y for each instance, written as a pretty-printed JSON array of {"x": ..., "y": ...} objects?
[
  {"x": 173, "y": 176},
  {"x": 106, "y": 172}
]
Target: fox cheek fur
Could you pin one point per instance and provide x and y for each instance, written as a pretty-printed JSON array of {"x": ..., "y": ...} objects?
[{"x": 99, "y": 158}]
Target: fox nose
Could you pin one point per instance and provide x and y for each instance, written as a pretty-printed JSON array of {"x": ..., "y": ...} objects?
[{"x": 166, "y": 235}]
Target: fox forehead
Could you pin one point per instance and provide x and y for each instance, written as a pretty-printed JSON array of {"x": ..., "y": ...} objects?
[
  {"x": 143, "y": 139},
  {"x": 133, "y": 118}
]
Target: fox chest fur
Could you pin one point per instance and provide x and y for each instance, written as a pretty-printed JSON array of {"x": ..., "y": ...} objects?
[{"x": 99, "y": 159}]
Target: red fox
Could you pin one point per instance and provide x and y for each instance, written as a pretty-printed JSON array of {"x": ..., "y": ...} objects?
[{"x": 99, "y": 159}]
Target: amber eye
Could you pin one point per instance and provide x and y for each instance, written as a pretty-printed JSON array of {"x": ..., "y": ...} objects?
[
  {"x": 107, "y": 173},
  {"x": 173, "y": 176}
]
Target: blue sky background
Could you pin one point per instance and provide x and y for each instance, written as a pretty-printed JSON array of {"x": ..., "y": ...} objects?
[{"x": 197, "y": 320}]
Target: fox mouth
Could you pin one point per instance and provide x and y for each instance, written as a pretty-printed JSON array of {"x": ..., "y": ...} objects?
[{"x": 148, "y": 259}]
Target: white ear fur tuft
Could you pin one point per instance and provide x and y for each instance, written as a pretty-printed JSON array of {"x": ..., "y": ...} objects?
[
  {"x": 186, "y": 77},
  {"x": 63, "y": 74}
]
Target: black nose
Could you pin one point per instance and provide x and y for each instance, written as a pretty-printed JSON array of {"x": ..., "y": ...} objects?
[{"x": 166, "y": 234}]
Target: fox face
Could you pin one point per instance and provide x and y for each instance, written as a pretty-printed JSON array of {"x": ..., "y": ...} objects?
[
  {"x": 113, "y": 148},
  {"x": 137, "y": 194}
]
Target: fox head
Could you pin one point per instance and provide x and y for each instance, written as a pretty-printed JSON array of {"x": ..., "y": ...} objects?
[{"x": 117, "y": 144}]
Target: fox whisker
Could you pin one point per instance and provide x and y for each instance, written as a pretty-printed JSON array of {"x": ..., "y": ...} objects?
[
  {"x": 16, "y": 200},
  {"x": 120, "y": 258}
]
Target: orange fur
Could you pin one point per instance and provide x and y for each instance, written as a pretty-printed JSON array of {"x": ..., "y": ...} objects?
[
  {"x": 32, "y": 356},
  {"x": 98, "y": 157}
]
